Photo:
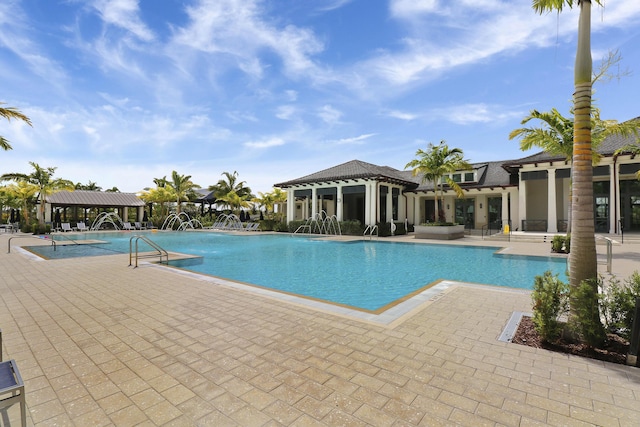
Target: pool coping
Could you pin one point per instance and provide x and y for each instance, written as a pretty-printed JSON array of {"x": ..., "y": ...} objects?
[{"x": 395, "y": 314}]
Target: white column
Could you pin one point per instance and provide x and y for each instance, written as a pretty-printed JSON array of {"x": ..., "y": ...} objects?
[
  {"x": 339, "y": 201},
  {"x": 614, "y": 197},
  {"x": 505, "y": 209},
  {"x": 416, "y": 209},
  {"x": 291, "y": 205},
  {"x": 552, "y": 216},
  {"x": 522, "y": 203},
  {"x": 140, "y": 213},
  {"x": 314, "y": 202},
  {"x": 367, "y": 203},
  {"x": 389, "y": 206},
  {"x": 125, "y": 214}
]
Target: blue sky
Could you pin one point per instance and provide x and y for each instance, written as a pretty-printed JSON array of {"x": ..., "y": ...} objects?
[{"x": 124, "y": 91}]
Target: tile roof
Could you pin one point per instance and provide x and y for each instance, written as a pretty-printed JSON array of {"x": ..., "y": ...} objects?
[
  {"x": 355, "y": 169},
  {"x": 94, "y": 198}
]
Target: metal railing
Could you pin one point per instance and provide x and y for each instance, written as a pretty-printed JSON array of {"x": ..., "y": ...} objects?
[
  {"x": 369, "y": 231},
  {"x": 160, "y": 252},
  {"x": 534, "y": 225},
  {"x": 503, "y": 226},
  {"x": 53, "y": 242}
]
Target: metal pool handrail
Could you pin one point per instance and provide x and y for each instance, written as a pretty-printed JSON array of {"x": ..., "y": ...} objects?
[
  {"x": 160, "y": 250},
  {"x": 53, "y": 242}
]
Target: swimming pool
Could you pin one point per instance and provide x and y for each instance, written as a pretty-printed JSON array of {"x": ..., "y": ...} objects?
[{"x": 367, "y": 275}]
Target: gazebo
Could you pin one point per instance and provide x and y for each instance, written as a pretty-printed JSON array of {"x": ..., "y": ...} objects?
[{"x": 77, "y": 205}]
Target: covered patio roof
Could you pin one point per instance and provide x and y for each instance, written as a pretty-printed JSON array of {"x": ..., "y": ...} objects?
[{"x": 98, "y": 199}]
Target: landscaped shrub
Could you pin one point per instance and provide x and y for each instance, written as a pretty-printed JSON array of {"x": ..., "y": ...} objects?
[
  {"x": 384, "y": 229},
  {"x": 561, "y": 244},
  {"x": 618, "y": 304},
  {"x": 557, "y": 244},
  {"x": 585, "y": 308},
  {"x": 550, "y": 301},
  {"x": 351, "y": 228}
]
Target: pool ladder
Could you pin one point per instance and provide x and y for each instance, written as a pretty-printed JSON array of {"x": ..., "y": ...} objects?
[
  {"x": 159, "y": 251},
  {"x": 368, "y": 232}
]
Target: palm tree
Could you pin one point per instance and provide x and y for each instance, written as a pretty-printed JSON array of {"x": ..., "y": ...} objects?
[
  {"x": 91, "y": 186},
  {"x": 555, "y": 134},
  {"x": 231, "y": 184},
  {"x": 159, "y": 195},
  {"x": 11, "y": 113},
  {"x": 23, "y": 193},
  {"x": 42, "y": 177},
  {"x": 234, "y": 200},
  {"x": 583, "y": 259},
  {"x": 182, "y": 188},
  {"x": 435, "y": 164}
]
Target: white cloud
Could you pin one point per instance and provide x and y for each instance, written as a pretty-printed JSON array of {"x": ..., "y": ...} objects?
[
  {"x": 355, "y": 140},
  {"x": 285, "y": 112},
  {"x": 469, "y": 114},
  {"x": 266, "y": 143},
  {"x": 329, "y": 114},
  {"x": 402, "y": 115},
  {"x": 124, "y": 14},
  {"x": 237, "y": 29}
]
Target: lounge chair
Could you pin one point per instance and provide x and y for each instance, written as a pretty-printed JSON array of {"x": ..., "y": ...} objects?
[
  {"x": 12, "y": 389},
  {"x": 127, "y": 226},
  {"x": 139, "y": 226},
  {"x": 81, "y": 227},
  {"x": 252, "y": 226},
  {"x": 66, "y": 226}
]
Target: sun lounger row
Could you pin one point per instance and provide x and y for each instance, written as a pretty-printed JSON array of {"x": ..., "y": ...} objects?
[
  {"x": 235, "y": 226},
  {"x": 66, "y": 226}
]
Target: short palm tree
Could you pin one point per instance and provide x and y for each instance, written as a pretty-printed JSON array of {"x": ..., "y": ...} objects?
[
  {"x": 228, "y": 185},
  {"x": 435, "y": 164},
  {"x": 23, "y": 193},
  {"x": 43, "y": 179},
  {"x": 11, "y": 113},
  {"x": 182, "y": 187}
]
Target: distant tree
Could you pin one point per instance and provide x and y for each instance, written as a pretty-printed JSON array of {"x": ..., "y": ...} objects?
[
  {"x": 112, "y": 190},
  {"x": 235, "y": 201},
  {"x": 43, "y": 178},
  {"x": 11, "y": 113},
  {"x": 21, "y": 195},
  {"x": 91, "y": 186},
  {"x": 160, "y": 196},
  {"x": 269, "y": 200},
  {"x": 435, "y": 164},
  {"x": 223, "y": 187},
  {"x": 182, "y": 187}
]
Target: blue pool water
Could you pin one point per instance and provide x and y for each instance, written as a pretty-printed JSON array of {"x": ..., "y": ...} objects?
[{"x": 363, "y": 274}]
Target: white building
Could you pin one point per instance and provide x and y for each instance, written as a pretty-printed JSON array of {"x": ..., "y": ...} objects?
[{"x": 528, "y": 194}]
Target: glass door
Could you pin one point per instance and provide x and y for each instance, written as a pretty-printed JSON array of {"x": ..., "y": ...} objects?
[{"x": 465, "y": 212}]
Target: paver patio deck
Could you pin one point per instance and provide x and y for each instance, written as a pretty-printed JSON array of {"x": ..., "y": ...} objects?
[{"x": 99, "y": 343}]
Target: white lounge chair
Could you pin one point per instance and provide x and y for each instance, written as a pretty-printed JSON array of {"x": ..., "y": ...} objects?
[
  {"x": 66, "y": 226},
  {"x": 127, "y": 226},
  {"x": 139, "y": 226},
  {"x": 81, "y": 226}
]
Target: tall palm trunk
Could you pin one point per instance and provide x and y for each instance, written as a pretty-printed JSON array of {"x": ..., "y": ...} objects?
[{"x": 583, "y": 256}]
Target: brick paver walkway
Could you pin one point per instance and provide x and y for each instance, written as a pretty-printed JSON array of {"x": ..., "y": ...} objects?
[{"x": 99, "y": 343}]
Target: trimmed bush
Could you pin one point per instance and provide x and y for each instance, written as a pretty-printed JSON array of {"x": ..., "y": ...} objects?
[
  {"x": 585, "y": 308},
  {"x": 550, "y": 301},
  {"x": 618, "y": 304}
]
